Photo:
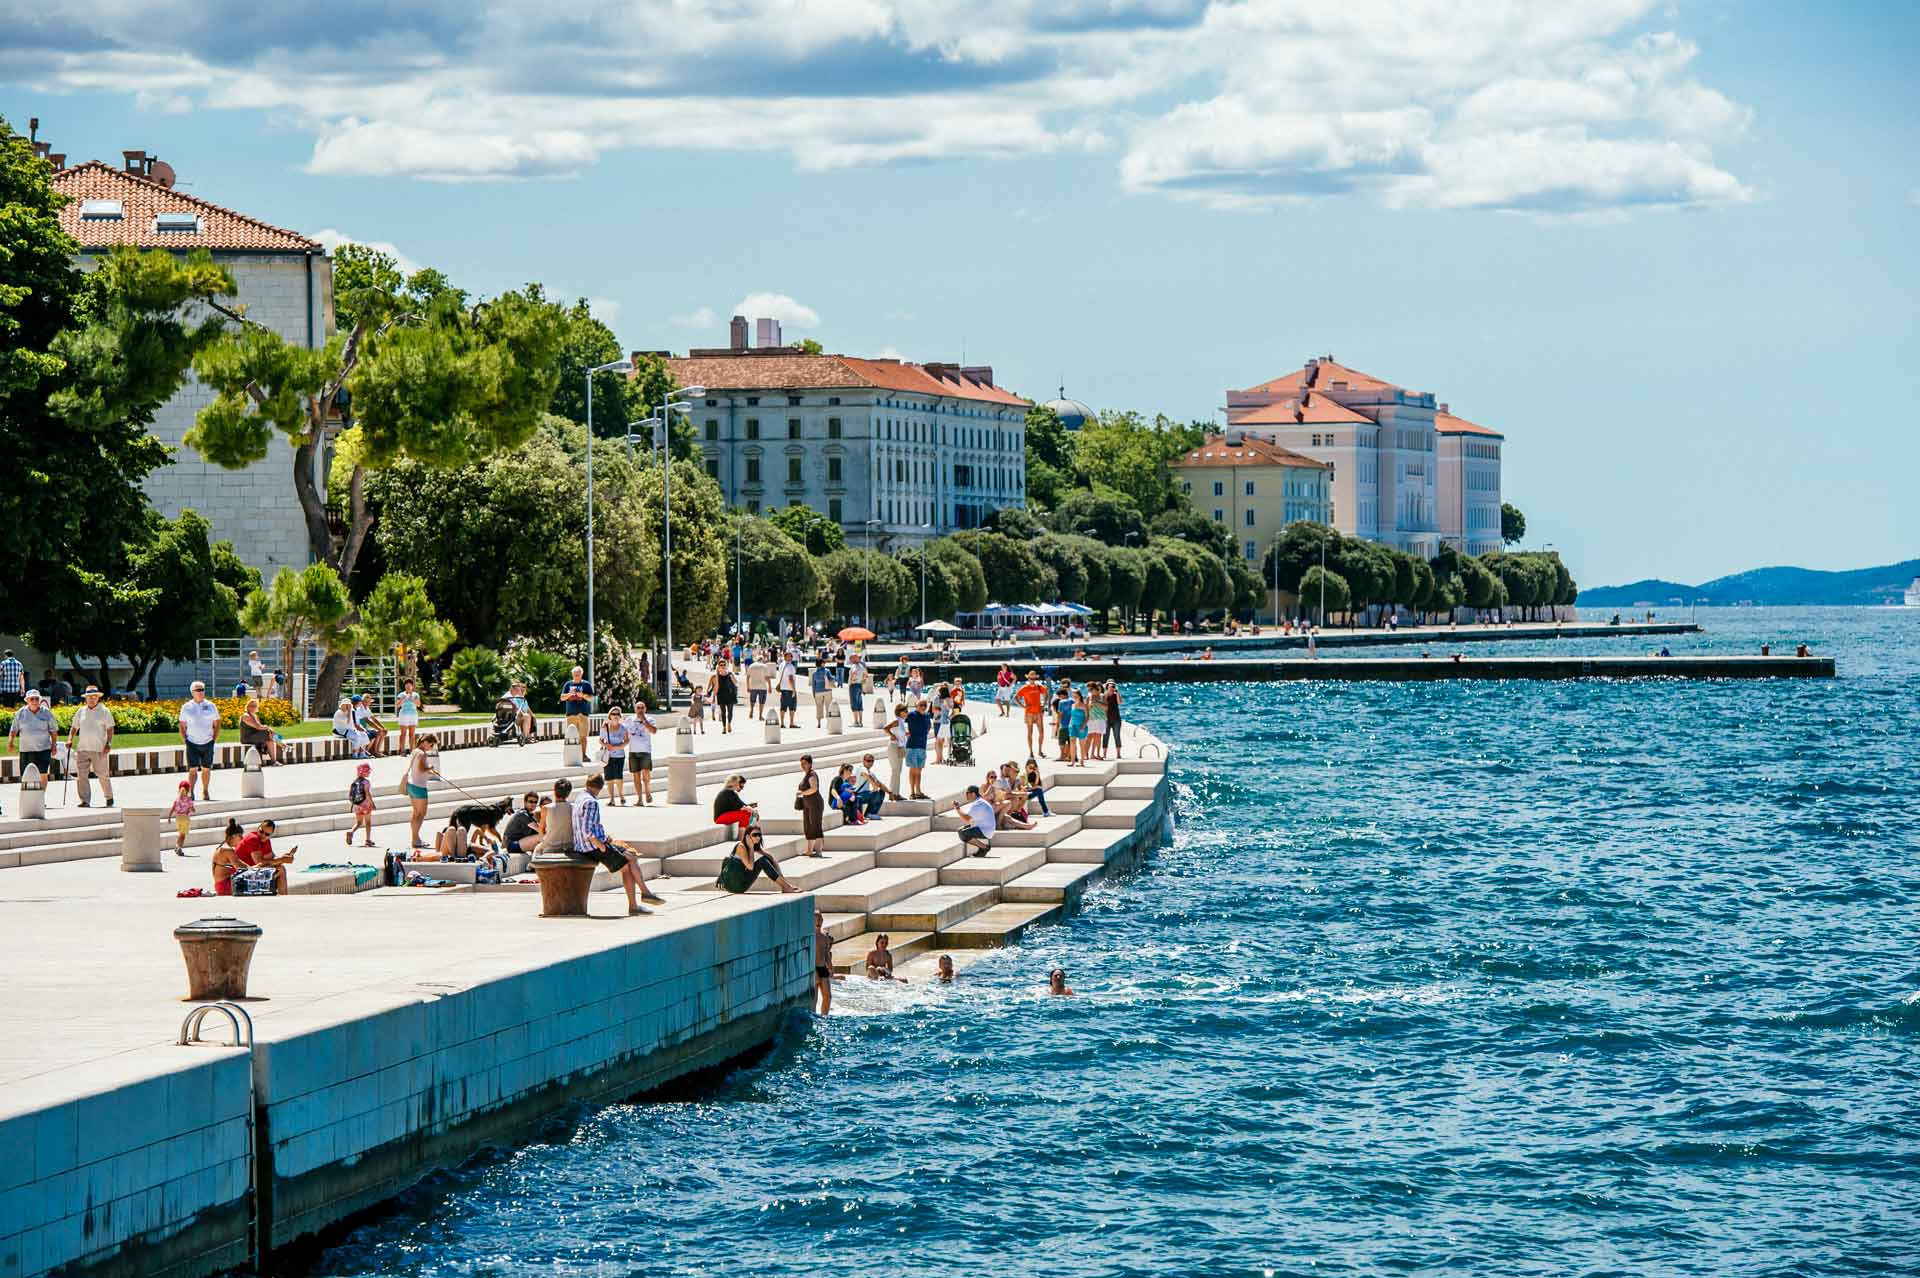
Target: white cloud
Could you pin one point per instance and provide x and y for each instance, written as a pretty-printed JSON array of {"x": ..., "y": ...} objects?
[
  {"x": 790, "y": 313},
  {"x": 699, "y": 317},
  {"x": 604, "y": 309},
  {"x": 888, "y": 352},
  {"x": 332, "y": 240},
  {"x": 1504, "y": 104}
]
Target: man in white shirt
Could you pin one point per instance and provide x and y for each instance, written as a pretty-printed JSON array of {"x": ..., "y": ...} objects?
[
  {"x": 896, "y": 749},
  {"x": 640, "y": 753},
  {"x": 977, "y": 833},
  {"x": 200, "y": 730},
  {"x": 759, "y": 681},
  {"x": 789, "y": 693},
  {"x": 89, "y": 739}
]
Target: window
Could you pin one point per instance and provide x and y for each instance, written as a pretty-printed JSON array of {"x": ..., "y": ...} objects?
[
  {"x": 753, "y": 507},
  {"x": 713, "y": 429},
  {"x": 833, "y": 428},
  {"x": 713, "y": 468},
  {"x": 1252, "y": 550},
  {"x": 753, "y": 400},
  {"x": 1219, "y": 488},
  {"x": 834, "y": 400},
  {"x": 713, "y": 403},
  {"x": 1249, "y": 488},
  {"x": 101, "y": 210},
  {"x": 833, "y": 472},
  {"x": 1316, "y": 441},
  {"x": 187, "y": 223},
  {"x": 753, "y": 470},
  {"x": 1187, "y": 488},
  {"x": 793, "y": 400},
  {"x": 793, "y": 470},
  {"x": 753, "y": 428},
  {"x": 1219, "y": 516},
  {"x": 793, "y": 428},
  {"x": 833, "y": 509},
  {"x": 1250, "y": 520}
]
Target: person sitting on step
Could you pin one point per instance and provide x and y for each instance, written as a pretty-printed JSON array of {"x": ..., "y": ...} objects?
[{"x": 748, "y": 861}]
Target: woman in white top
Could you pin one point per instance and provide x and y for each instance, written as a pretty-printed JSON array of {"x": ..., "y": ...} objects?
[{"x": 406, "y": 712}]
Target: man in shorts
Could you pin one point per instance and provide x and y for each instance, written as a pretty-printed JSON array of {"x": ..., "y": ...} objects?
[
  {"x": 822, "y": 963},
  {"x": 919, "y": 725},
  {"x": 977, "y": 833},
  {"x": 200, "y": 730},
  {"x": 822, "y": 683},
  {"x": 640, "y": 754},
  {"x": 34, "y": 728},
  {"x": 1033, "y": 701},
  {"x": 759, "y": 679},
  {"x": 522, "y": 833},
  {"x": 789, "y": 681}
]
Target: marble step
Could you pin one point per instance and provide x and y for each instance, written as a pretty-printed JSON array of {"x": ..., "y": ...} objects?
[
  {"x": 875, "y": 889},
  {"x": 997, "y": 925},
  {"x": 1001, "y": 865},
  {"x": 1088, "y": 847},
  {"x": 850, "y": 955},
  {"x": 880, "y": 833},
  {"x": 934, "y": 909},
  {"x": 935, "y": 848},
  {"x": 1073, "y": 798},
  {"x": 1046, "y": 832},
  {"x": 1130, "y": 787},
  {"x": 1118, "y": 814},
  {"x": 842, "y": 926},
  {"x": 1054, "y": 881}
]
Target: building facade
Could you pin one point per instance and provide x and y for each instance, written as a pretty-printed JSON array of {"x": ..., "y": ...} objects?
[
  {"x": 1253, "y": 487},
  {"x": 1384, "y": 445},
  {"x": 893, "y": 452},
  {"x": 284, "y": 281},
  {"x": 1469, "y": 483}
]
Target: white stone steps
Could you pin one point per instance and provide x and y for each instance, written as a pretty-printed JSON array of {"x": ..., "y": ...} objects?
[
  {"x": 996, "y": 867},
  {"x": 843, "y": 927},
  {"x": 1086, "y": 847},
  {"x": 934, "y": 848},
  {"x": 875, "y": 889},
  {"x": 1133, "y": 787},
  {"x": 880, "y": 833},
  {"x": 932, "y": 910},
  {"x": 1046, "y": 832},
  {"x": 1073, "y": 798},
  {"x": 999, "y": 924},
  {"x": 1054, "y": 881},
  {"x": 1118, "y": 814},
  {"x": 850, "y": 955},
  {"x": 704, "y": 863}
]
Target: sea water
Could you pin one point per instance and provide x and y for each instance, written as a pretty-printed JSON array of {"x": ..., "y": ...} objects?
[{"x": 1449, "y": 978}]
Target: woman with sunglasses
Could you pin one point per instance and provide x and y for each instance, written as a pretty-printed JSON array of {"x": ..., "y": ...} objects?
[{"x": 748, "y": 861}]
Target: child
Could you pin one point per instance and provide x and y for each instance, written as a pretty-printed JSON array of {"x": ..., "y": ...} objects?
[
  {"x": 360, "y": 800},
  {"x": 696, "y": 710},
  {"x": 182, "y": 814}
]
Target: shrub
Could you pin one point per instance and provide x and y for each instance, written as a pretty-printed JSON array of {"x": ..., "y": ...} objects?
[
  {"x": 164, "y": 716},
  {"x": 544, "y": 673},
  {"x": 475, "y": 678}
]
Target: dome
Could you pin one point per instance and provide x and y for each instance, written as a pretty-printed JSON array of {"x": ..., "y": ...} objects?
[{"x": 1072, "y": 413}]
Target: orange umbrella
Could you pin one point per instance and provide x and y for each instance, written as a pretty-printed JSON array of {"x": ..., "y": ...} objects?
[{"x": 855, "y": 634}]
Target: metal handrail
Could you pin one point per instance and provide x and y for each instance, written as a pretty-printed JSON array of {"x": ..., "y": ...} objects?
[
  {"x": 236, "y": 1017},
  {"x": 1154, "y": 746}
]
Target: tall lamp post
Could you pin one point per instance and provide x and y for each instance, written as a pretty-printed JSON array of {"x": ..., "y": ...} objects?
[
  {"x": 668, "y": 407},
  {"x": 866, "y": 611},
  {"x": 593, "y": 644}
]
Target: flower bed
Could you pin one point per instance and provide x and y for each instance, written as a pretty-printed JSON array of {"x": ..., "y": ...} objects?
[{"x": 164, "y": 716}]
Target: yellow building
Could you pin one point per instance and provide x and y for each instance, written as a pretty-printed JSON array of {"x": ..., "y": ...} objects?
[{"x": 1254, "y": 488}]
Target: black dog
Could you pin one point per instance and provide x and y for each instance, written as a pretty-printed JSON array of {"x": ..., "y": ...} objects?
[{"x": 484, "y": 816}]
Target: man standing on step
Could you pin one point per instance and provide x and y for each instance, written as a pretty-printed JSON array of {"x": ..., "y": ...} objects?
[
  {"x": 822, "y": 963},
  {"x": 200, "y": 732},
  {"x": 759, "y": 679},
  {"x": 919, "y": 724},
  {"x": 789, "y": 681},
  {"x": 977, "y": 833},
  {"x": 1033, "y": 700},
  {"x": 896, "y": 749}
]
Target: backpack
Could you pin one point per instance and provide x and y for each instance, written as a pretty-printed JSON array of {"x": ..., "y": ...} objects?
[{"x": 358, "y": 791}]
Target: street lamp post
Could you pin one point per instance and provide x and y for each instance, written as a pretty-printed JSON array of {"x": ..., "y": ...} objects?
[
  {"x": 612, "y": 366},
  {"x": 866, "y": 611},
  {"x": 668, "y": 407}
]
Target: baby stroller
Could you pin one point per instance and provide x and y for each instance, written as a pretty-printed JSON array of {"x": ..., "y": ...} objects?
[
  {"x": 960, "y": 744},
  {"x": 506, "y": 724}
]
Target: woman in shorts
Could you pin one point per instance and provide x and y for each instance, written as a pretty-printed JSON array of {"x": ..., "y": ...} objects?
[
  {"x": 406, "y": 713},
  {"x": 614, "y": 735},
  {"x": 419, "y": 773}
]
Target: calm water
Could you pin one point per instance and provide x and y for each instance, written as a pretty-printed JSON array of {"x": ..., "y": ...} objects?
[{"x": 1439, "y": 978}]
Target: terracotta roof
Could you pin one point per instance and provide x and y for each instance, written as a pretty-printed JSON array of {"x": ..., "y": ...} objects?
[
  {"x": 1448, "y": 424},
  {"x": 1247, "y": 452},
  {"x": 824, "y": 372},
  {"x": 1329, "y": 372},
  {"x": 142, "y": 201},
  {"x": 1310, "y": 408}
]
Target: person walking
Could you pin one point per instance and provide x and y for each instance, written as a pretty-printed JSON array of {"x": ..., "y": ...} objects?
[
  {"x": 419, "y": 773},
  {"x": 857, "y": 678},
  {"x": 614, "y": 735},
  {"x": 1003, "y": 690},
  {"x": 640, "y": 754},
  {"x": 724, "y": 691},
  {"x": 812, "y": 806},
  {"x": 13, "y": 680},
  {"x": 576, "y": 702},
  {"x": 200, "y": 730},
  {"x": 34, "y": 731},
  {"x": 90, "y": 742},
  {"x": 1033, "y": 703},
  {"x": 759, "y": 680},
  {"x": 822, "y": 683},
  {"x": 789, "y": 685}
]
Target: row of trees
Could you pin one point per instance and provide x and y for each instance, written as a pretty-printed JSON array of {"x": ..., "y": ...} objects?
[{"x": 1314, "y": 563}]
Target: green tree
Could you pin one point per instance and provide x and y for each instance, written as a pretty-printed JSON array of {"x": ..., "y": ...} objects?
[
  {"x": 776, "y": 576},
  {"x": 857, "y": 575},
  {"x": 476, "y": 678},
  {"x": 807, "y": 346},
  {"x": 1302, "y": 545},
  {"x": 820, "y": 535},
  {"x": 1513, "y": 524},
  {"x": 1050, "y": 475},
  {"x": 968, "y": 577},
  {"x": 1014, "y": 573},
  {"x": 1126, "y": 578},
  {"x": 309, "y": 606},
  {"x": 438, "y": 381},
  {"x": 702, "y": 547},
  {"x": 1066, "y": 560},
  {"x": 1129, "y": 455},
  {"x": 499, "y": 542},
  {"x": 1105, "y": 518},
  {"x": 1159, "y": 584},
  {"x": 1189, "y": 525},
  {"x": 1096, "y": 591},
  {"x": 1323, "y": 592},
  {"x": 397, "y": 613},
  {"x": 1014, "y": 521}
]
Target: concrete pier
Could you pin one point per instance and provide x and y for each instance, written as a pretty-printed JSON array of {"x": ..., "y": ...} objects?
[{"x": 1440, "y": 665}]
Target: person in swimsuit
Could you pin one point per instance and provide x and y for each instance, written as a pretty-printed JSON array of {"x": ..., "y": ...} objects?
[
  {"x": 880, "y": 962},
  {"x": 225, "y": 861},
  {"x": 419, "y": 773},
  {"x": 1033, "y": 700},
  {"x": 823, "y": 975},
  {"x": 945, "y": 969},
  {"x": 1057, "y": 983}
]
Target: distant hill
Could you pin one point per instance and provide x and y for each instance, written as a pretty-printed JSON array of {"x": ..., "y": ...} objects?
[{"x": 1780, "y": 586}]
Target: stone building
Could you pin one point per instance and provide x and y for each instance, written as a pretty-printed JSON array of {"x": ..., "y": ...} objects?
[
  {"x": 284, "y": 281},
  {"x": 1254, "y": 487},
  {"x": 1469, "y": 482},
  {"x": 893, "y": 452}
]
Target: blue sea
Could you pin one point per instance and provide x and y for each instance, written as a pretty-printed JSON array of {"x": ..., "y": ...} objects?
[{"x": 1436, "y": 978}]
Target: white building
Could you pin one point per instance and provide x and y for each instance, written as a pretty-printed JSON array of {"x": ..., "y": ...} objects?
[
  {"x": 1469, "y": 483},
  {"x": 1384, "y": 444},
  {"x": 919, "y": 449},
  {"x": 285, "y": 282}
]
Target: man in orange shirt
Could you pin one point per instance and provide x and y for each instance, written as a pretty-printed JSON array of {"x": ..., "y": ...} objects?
[{"x": 1033, "y": 699}]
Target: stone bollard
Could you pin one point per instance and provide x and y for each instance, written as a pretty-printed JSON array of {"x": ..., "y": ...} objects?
[
  {"x": 33, "y": 794},
  {"x": 683, "y": 779},
  {"x": 879, "y": 711},
  {"x": 836, "y": 726},
  {"x": 253, "y": 780},
  {"x": 683, "y": 738},
  {"x": 218, "y": 952},
  {"x": 574, "y": 752},
  {"x": 141, "y": 832},
  {"x": 565, "y": 884},
  {"x": 770, "y": 730}
]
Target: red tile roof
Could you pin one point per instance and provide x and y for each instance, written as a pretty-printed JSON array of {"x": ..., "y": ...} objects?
[
  {"x": 1246, "y": 452},
  {"x": 1448, "y": 424},
  {"x": 824, "y": 372},
  {"x": 1305, "y": 408},
  {"x": 1329, "y": 373},
  {"x": 143, "y": 200}
]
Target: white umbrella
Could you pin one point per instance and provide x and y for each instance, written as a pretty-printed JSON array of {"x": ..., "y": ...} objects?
[{"x": 944, "y": 627}]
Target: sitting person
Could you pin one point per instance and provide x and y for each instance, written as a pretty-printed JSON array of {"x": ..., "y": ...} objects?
[
  {"x": 255, "y": 852},
  {"x": 1036, "y": 791},
  {"x": 348, "y": 730},
  {"x": 226, "y": 862},
  {"x": 254, "y": 732},
  {"x": 522, "y": 713},
  {"x": 590, "y": 840},
  {"x": 524, "y": 827},
  {"x": 364, "y": 719},
  {"x": 730, "y": 809},
  {"x": 748, "y": 861},
  {"x": 880, "y": 961},
  {"x": 840, "y": 795},
  {"x": 868, "y": 790},
  {"x": 449, "y": 844}
]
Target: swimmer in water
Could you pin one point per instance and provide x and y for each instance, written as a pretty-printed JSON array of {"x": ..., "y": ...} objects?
[
  {"x": 880, "y": 961},
  {"x": 1057, "y": 983},
  {"x": 946, "y": 969},
  {"x": 823, "y": 974}
]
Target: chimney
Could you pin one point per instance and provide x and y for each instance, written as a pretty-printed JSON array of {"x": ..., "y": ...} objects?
[
  {"x": 982, "y": 373},
  {"x": 136, "y": 162},
  {"x": 58, "y": 160},
  {"x": 1441, "y": 407},
  {"x": 935, "y": 369},
  {"x": 738, "y": 333},
  {"x": 766, "y": 332},
  {"x": 1313, "y": 370},
  {"x": 1235, "y": 438}
]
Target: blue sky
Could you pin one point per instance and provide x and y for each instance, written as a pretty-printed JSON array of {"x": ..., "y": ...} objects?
[{"x": 1667, "y": 248}]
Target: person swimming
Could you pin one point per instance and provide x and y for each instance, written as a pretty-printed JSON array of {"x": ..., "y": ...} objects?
[
  {"x": 945, "y": 969},
  {"x": 1057, "y": 983},
  {"x": 880, "y": 961}
]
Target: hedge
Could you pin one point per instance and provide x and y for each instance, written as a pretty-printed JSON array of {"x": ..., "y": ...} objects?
[{"x": 164, "y": 716}]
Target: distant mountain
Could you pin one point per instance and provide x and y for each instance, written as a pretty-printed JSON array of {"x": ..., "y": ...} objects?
[{"x": 1779, "y": 586}]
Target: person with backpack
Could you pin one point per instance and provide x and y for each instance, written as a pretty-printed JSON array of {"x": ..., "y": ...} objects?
[{"x": 360, "y": 802}]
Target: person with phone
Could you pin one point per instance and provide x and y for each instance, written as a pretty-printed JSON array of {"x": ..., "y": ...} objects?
[{"x": 255, "y": 851}]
